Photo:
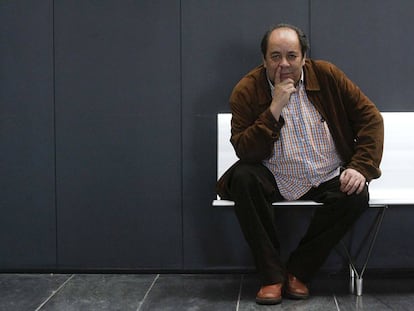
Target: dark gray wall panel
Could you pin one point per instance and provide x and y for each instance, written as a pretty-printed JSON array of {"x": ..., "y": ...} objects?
[
  {"x": 370, "y": 41},
  {"x": 220, "y": 43},
  {"x": 27, "y": 194},
  {"x": 118, "y": 134}
]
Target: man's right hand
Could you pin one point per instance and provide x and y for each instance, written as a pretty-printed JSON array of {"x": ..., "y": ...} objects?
[{"x": 282, "y": 92}]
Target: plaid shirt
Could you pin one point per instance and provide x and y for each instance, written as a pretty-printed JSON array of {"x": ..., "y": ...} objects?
[{"x": 305, "y": 155}]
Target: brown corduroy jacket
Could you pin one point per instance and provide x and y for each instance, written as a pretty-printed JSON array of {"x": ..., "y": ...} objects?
[{"x": 354, "y": 121}]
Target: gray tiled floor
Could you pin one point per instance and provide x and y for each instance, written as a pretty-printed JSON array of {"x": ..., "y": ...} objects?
[{"x": 139, "y": 292}]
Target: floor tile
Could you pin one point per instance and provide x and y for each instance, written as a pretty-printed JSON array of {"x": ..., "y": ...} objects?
[
  {"x": 366, "y": 302},
  {"x": 193, "y": 292},
  {"x": 101, "y": 292},
  {"x": 22, "y": 292},
  {"x": 380, "y": 293},
  {"x": 401, "y": 302},
  {"x": 397, "y": 294}
]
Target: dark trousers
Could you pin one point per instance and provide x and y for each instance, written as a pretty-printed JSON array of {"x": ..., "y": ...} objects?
[{"x": 253, "y": 188}]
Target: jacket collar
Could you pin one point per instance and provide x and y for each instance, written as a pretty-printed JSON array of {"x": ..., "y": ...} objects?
[{"x": 311, "y": 80}]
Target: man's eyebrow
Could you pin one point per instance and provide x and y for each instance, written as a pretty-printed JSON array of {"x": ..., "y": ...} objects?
[{"x": 289, "y": 52}]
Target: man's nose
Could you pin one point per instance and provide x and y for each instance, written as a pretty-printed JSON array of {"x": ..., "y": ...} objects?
[{"x": 284, "y": 62}]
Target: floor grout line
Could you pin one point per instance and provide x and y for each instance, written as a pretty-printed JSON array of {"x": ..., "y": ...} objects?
[
  {"x": 240, "y": 291},
  {"x": 54, "y": 293},
  {"x": 148, "y": 291},
  {"x": 336, "y": 302}
]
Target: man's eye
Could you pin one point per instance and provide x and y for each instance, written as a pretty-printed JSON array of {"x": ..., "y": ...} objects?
[
  {"x": 275, "y": 57},
  {"x": 292, "y": 57}
]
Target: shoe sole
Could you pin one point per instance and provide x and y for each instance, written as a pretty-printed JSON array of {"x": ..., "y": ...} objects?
[{"x": 268, "y": 301}]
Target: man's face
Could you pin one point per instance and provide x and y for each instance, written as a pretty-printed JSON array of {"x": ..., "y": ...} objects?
[{"x": 284, "y": 51}]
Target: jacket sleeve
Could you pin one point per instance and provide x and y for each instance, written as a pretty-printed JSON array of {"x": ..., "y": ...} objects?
[
  {"x": 254, "y": 129},
  {"x": 367, "y": 127}
]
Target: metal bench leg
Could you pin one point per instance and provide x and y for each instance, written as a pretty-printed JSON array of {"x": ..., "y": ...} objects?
[
  {"x": 351, "y": 279},
  {"x": 359, "y": 280},
  {"x": 359, "y": 285},
  {"x": 356, "y": 279}
]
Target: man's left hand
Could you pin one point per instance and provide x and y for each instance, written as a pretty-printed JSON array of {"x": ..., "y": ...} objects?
[{"x": 352, "y": 181}]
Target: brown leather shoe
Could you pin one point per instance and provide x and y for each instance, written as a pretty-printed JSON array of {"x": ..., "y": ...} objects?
[
  {"x": 296, "y": 289},
  {"x": 269, "y": 294}
]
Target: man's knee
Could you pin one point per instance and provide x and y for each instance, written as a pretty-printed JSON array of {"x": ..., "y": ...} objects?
[
  {"x": 244, "y": 176},
  {"x": 357, "y": 204},
  {"x": 252, "y": 177},
  {"x": 361, "y": 199}
]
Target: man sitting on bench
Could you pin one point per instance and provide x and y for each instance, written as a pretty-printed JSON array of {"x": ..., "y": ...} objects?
[{"x": 302, "y": 131}]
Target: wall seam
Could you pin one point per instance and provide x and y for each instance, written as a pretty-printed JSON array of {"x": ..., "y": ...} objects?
[
  {"x": 54, "y": 132},
  {"x": 310, "y": 27},
  {"x": 181, "y": 133}
]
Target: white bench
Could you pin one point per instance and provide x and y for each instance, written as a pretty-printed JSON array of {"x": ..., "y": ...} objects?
[{"x": 394, "y": 187}]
